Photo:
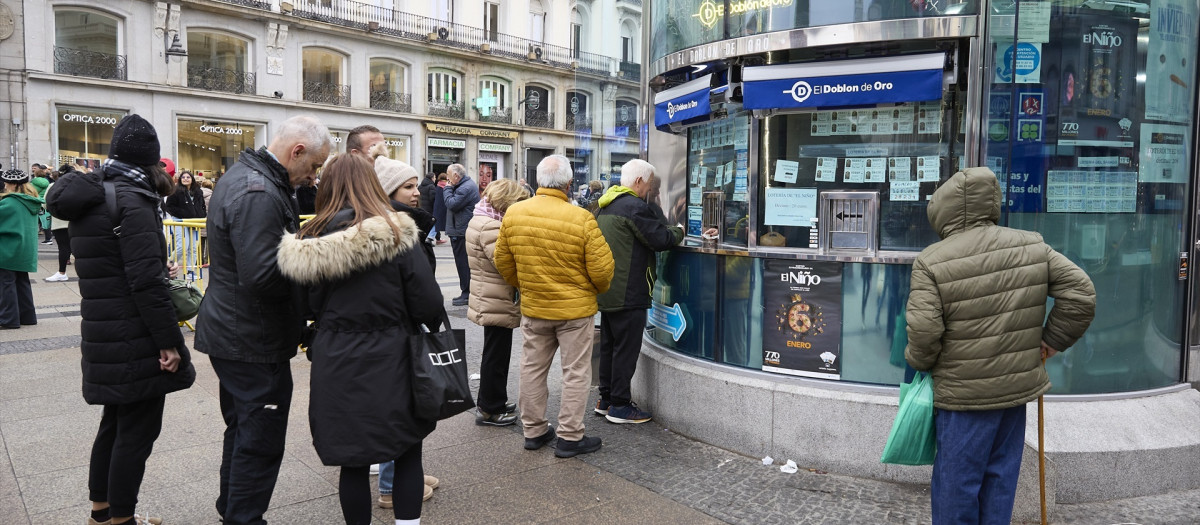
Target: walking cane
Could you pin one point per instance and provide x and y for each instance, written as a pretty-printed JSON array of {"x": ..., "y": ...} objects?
[{"x": 1042, "y": 453}]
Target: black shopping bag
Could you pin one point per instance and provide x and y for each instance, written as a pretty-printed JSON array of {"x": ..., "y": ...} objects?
[{"x": 439, "y": 372}]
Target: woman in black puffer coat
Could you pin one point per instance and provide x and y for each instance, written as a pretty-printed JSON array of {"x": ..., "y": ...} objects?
[
  {"x": 186, "y": 202},
  {"x": 133, "y": 351},
  {"x": 369, "y": 286}
]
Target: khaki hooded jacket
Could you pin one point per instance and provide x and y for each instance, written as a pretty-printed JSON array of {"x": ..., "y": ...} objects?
[{"x": 977, "y": 311}]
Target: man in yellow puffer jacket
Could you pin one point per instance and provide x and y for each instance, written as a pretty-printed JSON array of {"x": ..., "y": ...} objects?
[
  {"x": 554, "y": 253},
  {"x": 977, "y": 322}
]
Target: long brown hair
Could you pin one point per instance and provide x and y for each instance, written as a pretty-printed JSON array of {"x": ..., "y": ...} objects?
[{"x": 349, "y": 181}]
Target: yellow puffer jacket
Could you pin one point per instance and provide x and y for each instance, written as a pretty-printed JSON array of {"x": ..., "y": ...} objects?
[{"x": 554, "y": 253}]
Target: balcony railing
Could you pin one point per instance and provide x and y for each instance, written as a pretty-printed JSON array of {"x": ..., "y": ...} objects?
[
  {"x": 217, "y": 79},
  {"x": 391, "y": 101},
  {"x": 578, "y": 122},
  {"x": 445, "y": 109},
  {"x": 326, "y": 93},
  {"x": 265, "y": 6},
  {"x": 631, "y": 71},
  {"x": 498, "y": 116},
  {"x": 89, "y": 63},
  {"x": 539, "y": 119},
  {"x": 393, "y": 22}
]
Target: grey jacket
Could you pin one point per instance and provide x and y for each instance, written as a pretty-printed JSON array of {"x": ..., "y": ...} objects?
[
  {"x": 460, "y": 205},
  {"x": 977, "y": 311}
]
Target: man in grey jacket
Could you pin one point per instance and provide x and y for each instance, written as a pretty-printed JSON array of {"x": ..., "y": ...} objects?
[
  {"x": 977, "y": 322},
  {"x": 461, "y": 195},
  {"x": 249, "y": 324}
]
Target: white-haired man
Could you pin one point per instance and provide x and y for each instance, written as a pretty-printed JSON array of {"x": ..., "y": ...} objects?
[
  {"x": 634, "y": 232},
  {"x": 461, "y": 196},
  {"x": 249, "y": 325},
  {"x": 558, "y": 302}
]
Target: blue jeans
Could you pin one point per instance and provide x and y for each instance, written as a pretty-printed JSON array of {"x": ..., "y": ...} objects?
[
  {"x": 977, "y": 464},
  {"x": 387, "y": 471}
]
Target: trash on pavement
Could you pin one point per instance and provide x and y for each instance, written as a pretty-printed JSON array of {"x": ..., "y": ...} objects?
[{"x": 789, "y": 468}]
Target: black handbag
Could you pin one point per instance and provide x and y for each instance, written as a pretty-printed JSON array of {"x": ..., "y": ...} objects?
[{"x": 439, "y": 372}]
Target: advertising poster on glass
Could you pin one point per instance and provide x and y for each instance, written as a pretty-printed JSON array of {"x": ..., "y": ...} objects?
[
  {"x": 1170, "y": 60},
  {"x": 802, "y": 318},
  {"x": 1095, "y": 73}
]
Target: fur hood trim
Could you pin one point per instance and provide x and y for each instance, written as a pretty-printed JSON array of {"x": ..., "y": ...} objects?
[{"x": 336, "y": 255}]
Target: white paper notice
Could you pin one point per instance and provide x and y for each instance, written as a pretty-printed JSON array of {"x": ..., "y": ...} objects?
[
  {"x": 876, "y": 170},
  {"x": 728, "y": 172},
  {"x": 720, "y": 175},
  {"x": 855, "y": 170},
  {"x": 1034, "y": 21},
  {"x": 1163, "y": 153},
  {"x": 929, "y": 169},
  {"x": 905, "y": 190},
  {"x": 827, "y": 169},
  {"x": 786, "y": 170},
  {"x": 695, "y": 194},
  {"x": 703, "y": 176},
  {"x": 790, "y": 206},
  {"x": 900, "y": 169},
  {"x": 695, "y": 179}
]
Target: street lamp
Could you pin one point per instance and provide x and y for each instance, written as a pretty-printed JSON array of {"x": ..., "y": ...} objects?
[{"x": 174, "y": 50}]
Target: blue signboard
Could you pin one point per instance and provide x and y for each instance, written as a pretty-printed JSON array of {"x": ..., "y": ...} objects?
[
  {"x": 844, "y": 83},
  {"x": 684, "y": 103}
]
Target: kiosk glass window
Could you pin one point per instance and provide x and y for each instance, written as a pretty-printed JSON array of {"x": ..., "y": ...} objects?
[
  {"x": 1090, "y": 128},
  {"x": 213, "y": 146},
  {"x": 718, "y": 161},
  {"x": 84, "y": 135}
]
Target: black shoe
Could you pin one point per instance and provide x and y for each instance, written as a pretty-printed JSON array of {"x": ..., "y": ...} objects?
[
  {"x": 496, "y": 420},
  {"x": 510, "y": 407},
  {"x": 602, "y": 406},
  {"x": 570, "y": 449},
  {"x": 461, "y": 300},
  {"x": 10, "y": 327},
  {"x": 540, "y": 441}
]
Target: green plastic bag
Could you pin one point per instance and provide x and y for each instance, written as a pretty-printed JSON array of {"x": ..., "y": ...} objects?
[{"x": 912, "y": 440}]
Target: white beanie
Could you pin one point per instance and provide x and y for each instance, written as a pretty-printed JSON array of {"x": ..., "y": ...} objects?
[{"x": 393, "y": 174}]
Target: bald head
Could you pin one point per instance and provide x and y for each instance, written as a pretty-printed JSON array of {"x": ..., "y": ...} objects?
[{"x": 301, "y": 144}]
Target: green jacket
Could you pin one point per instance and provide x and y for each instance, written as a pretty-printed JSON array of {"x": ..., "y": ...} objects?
[
  {"x": 41, "y": 183},
  {"x": 633, "y": 233},
  {"x": 19, "y": 232},
  {"x": 977, "y": 310}
]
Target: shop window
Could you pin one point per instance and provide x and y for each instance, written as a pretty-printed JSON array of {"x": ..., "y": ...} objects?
[
  {"x": 577, "y": 112},
  {"x": 1093, "y": 144},
  {"x": 84, "y": 135},
  {"x": 212, "y": 146},
  {"x": 444, "y": 89},
  {"x": 538, "y": 103},
  {"x": 88, "y": 43},
  {"x": 219, "y": 62},
  {"x": 493, "y": 103},
  {"x": 398, "y": 147},
  {"x": 388, "y": 86},
  {"x": 324, "y": 79}
]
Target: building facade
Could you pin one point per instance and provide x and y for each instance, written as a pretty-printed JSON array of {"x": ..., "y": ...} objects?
[{"x": 493, "y": 85}]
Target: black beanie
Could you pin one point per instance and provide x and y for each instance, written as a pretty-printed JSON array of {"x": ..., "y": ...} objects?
[{"x": 134, "y": 142}]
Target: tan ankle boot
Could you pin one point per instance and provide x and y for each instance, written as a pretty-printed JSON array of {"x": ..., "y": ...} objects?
[{"x": 385, "y": 501}]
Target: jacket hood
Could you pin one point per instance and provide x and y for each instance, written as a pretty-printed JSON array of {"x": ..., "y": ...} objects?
[
  {"x": 969, "y": 199},
  {"x": 32, "y": 204},
  {"x": 338, "y": 254},
  {"x": 613, "y": 192},
  {"x": 74, "y": 194}
]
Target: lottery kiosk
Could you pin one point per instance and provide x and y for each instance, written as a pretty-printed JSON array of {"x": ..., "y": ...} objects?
[{"x": 811, "y": 135}]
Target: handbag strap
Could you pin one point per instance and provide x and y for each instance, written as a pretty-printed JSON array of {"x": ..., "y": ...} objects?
[{"x": 110, "y": 200}]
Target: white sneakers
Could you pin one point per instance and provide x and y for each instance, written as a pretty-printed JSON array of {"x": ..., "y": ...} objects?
[{"x": 58, "y": 277}]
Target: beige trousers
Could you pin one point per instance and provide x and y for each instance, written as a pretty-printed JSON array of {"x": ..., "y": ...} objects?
[{"x": 542, "y": 338}]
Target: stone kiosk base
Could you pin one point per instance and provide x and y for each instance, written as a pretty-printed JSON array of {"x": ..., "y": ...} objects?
[{"x": 1097, "y": 448}]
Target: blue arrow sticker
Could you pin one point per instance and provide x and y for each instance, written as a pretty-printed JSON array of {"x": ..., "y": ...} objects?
[{"x": 669, "y": 318}]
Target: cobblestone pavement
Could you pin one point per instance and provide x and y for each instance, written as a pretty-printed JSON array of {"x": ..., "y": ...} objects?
[{"x": 644, "y": 474}]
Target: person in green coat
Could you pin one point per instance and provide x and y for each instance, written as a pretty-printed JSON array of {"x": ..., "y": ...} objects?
[
  {"x": 41, "y": 183},
  {"x": 19, "y": 210}
]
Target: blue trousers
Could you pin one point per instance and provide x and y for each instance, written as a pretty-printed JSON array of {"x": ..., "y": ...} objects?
[{"x": 977, "y": 464}]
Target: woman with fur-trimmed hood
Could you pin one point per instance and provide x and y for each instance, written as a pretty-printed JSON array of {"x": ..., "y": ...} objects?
[{"x": 369, "y": 286}]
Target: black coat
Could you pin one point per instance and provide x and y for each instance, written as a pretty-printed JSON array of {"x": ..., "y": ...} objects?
[
  {"x": 248, "y": 313},
  {"x": 127, "y": 312},
  {"x": 425, "y": 223},
  {"x": 185, "y": 204},
  {"x": 428, "y": 189},
  {"x": 367, "y": 292},
  {"x": 439, "y": 209}
]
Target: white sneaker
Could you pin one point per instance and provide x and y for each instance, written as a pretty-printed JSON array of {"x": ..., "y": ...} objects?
[
  {"x": 375, "y": 470},
  {"x": 57, "y": 277}
]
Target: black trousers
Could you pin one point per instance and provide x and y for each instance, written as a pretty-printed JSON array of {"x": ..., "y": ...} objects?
[
  {"x": 255, "y": 398},
  {"x": 123, "y": 443},
  {"x": 620, "y": 346},
  {"x": 408, "y": 489},
  {"x": 493, "y": 369},
  {"x": 459, "y": 246},
  {"x": 62, "y": 237},
  {"x": 16, "y": 299}
]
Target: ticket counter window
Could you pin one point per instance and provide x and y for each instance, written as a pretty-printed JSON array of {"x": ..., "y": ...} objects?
[
  {"x": 84, "y": 135},
  {"x": 718, "y": 161},
  {"x": 213, "y": 146}
]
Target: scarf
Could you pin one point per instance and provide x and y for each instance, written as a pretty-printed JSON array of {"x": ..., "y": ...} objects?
[
  {"x": 130, "y": 171},
  {"x": 484, "y": 209}
]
